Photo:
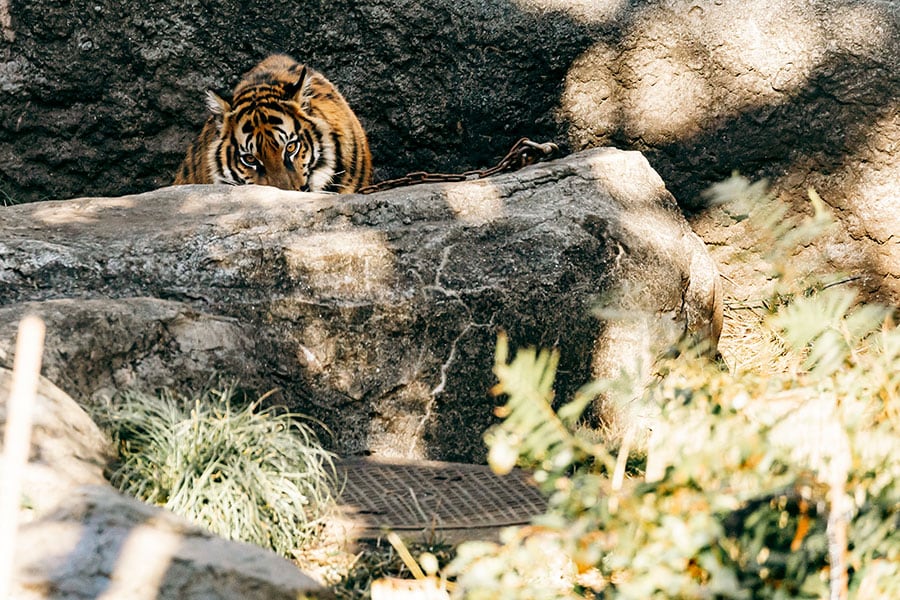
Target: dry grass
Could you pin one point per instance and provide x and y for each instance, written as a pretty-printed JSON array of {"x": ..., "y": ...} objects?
[{"x": 748, "y": 346}]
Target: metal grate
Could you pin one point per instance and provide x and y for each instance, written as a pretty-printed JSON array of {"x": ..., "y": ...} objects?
[{"x": 435, "y": 496}]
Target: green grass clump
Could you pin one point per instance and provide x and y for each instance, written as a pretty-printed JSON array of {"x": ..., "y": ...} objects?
[{"x": 245, "y": 473}]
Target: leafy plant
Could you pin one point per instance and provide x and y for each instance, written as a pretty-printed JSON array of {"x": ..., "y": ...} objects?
[
  {"x": 758, "y": 483},
  {"x": 245, "y": 473}
]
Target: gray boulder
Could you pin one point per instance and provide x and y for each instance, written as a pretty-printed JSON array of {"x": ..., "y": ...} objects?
[
  {"x": 378, "y": 314},
  {"x": 68, "y": 450},
  {"x": 100, "y": 543},
  {"x": 102, "y": 97}
]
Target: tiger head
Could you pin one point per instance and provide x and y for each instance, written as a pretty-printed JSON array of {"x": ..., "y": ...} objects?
[{"x": 267, "y": 136}]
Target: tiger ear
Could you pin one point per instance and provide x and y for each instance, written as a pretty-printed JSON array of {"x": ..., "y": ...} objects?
[
  {"x": 298, "y": 90},
  {"x": 217, "y": 105}
]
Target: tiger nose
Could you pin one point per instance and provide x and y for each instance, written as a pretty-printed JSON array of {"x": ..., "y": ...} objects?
[{"x": 279, "y": 180}]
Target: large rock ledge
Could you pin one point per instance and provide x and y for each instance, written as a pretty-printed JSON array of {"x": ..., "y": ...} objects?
[{"x": 375, "y": 314}]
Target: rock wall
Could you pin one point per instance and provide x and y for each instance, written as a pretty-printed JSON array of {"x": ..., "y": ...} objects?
[{"x": 101, "y": 97}]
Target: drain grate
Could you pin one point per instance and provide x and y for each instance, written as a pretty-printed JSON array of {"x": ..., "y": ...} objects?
[{"x": 447, "y": 498}]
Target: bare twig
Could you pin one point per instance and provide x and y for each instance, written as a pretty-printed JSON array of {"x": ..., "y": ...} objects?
[
  {"x": 837, "y": 527},
  {"x": 618, "y": 477},
  {"x": 17, "y": 439}
]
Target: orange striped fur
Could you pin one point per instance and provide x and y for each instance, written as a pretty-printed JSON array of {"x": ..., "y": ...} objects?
[{"x": 286, "y": 126}]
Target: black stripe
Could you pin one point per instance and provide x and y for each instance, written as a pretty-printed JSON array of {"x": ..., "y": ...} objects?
[
  {"x": 257, "y": 92},
  {"x": 300, "y": 122},
  {"x": 364, "y": 150},
  {"x": 338, "y": 162},
  {"x": 338, "y": 152},
  {"x": 233, "y": 161},
  {"x": 311, "y": 144},
  {"x": 217, "y": 155},
  {"x": 353, "y": 173},
  {"x": 244, "y": 108}
]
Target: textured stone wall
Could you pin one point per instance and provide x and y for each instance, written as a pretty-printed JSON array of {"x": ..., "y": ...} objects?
[{"x": 100, "y": 97}]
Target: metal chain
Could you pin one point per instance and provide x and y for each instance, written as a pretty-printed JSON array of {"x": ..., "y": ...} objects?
[{"x": 523, "y": 153}]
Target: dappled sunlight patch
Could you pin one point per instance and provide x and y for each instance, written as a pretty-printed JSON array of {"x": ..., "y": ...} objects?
[
  {"x": 476, "y": 202},
  {"x": 860, "y": 28},
  {"x": 354, "y": 265},
  {"x": 65, "y": 535},
  {"x": 399, "y": 433},
  {"x": 83, "y": 210},
  {"x": 625, "y": 178},
  {"x": 749, "y": 348},
  {"x": 771, "y": 49},
  {"x": 232, "y": 204},
  {"x": 650, "y": 223},
  {"x": 590, "y": 98},
  {"x": 585, "y": 11},
  {"x": 876, "y": 196},
  {"x": 142, "y": 564},
  {"x": 674, "y": 102},
  {"x": 682, "y": 68},
  {"x": 875, "y": 202}
]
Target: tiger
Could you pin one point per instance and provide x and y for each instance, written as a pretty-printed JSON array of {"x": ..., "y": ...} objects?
[{"x": 286, "y": 126}]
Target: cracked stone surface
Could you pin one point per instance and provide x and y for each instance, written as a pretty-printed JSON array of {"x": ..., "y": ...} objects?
[
  {"x": 79, "y": 539},
  {"x": 376, "y": 315},
  {"x": 101, "y": 97}
]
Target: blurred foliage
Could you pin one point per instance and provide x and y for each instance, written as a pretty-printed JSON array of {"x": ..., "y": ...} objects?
[
  {"x": 758, "y": 483},
  {"x": 383, "y": 560},
  {"x": 245, "y": 473}
]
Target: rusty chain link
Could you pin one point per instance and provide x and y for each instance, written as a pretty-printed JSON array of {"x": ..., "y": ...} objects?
[{"x": 523, "y": 153}]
